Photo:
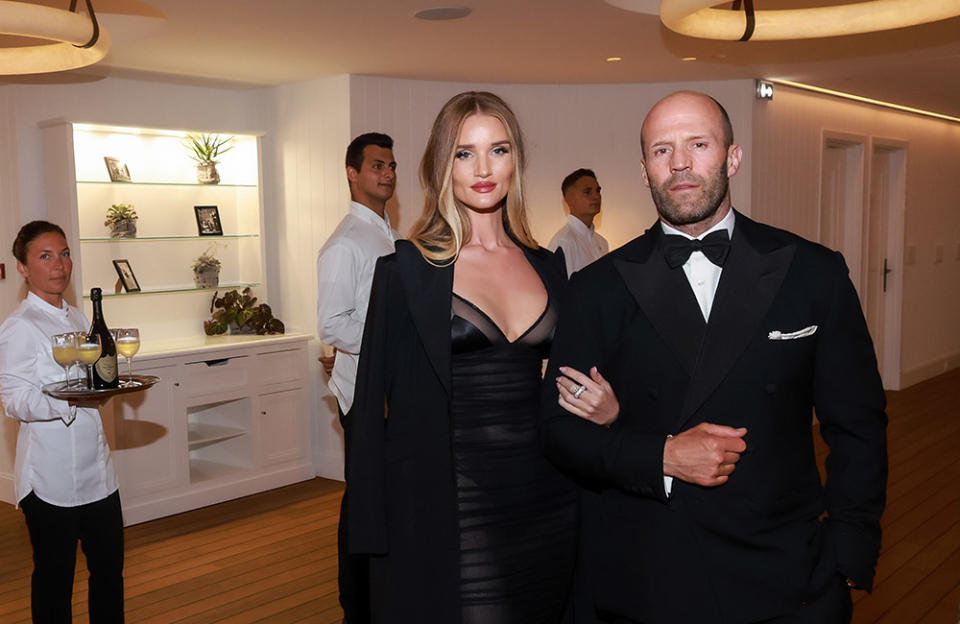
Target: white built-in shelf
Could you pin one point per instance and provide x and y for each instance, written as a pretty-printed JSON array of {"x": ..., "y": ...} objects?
[
  {"x": 206, "y": 470},
  {"x": 200, "y": 434}
]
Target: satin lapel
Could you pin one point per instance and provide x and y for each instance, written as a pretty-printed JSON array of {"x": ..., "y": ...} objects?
[
  {"x": 749, "y": 283},
  {"x": 429, "y": 291},
  {"x": 665, "y": 296},
  {"x": 548, "y": 270}
]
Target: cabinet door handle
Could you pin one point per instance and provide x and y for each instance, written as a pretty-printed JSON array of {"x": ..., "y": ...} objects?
[
  {"x": 176, "y": 384},
  {"x": 219, "y": 362},
  {"x": 264, "y": 413}
]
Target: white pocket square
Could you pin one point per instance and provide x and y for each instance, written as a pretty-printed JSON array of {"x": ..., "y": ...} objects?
[{"x": 800, "y": 333}]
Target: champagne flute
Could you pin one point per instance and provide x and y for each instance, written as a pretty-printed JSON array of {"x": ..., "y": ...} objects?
[
  {"x": 89, "y": 350},
  {"x": 79, "y": 336},
  {"x": 128, "y": 343},
  {"x": 64, "y": 352}
]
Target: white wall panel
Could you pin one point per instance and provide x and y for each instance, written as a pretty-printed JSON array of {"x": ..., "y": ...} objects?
[
  {"x": 309, "y": 129},
  {"x": 787, "y": 135},
  {"x": 11, "y": 290}
]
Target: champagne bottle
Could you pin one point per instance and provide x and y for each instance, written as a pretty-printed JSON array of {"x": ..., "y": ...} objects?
[{"x": 105, "y": 368}]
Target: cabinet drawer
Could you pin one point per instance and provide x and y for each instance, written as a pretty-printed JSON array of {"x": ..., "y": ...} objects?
[
  {"x": 280, "y": 366},
  {"x": 216, "y": 375}
]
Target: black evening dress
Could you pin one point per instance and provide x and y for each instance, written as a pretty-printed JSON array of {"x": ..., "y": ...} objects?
[{"x": 516, "y": 514}]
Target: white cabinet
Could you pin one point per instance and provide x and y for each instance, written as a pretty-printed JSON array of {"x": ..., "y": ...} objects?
[
  {"x": 147, "y": 424},
  {"x": 229, "y": 418}
]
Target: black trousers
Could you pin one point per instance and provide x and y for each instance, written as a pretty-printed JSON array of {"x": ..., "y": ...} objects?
[
  {"x": 54, "y": 533},
  {"x": 353, "y": 574},
  {"x": 832, "y": 606}
]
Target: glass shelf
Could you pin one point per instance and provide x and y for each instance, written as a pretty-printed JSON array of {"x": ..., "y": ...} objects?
[
  {"x": 185, "y": 289},
  {"x": 192, "y": 184},
  {"x": 107, "y": 239}
]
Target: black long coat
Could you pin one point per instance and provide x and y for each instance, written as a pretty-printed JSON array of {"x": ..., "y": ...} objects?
[
  {"x": 754, "y": 547},
  {"x": 402, "y": 502}
]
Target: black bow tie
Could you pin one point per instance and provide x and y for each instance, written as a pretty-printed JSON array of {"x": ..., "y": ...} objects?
[{"x": 715, "y": 246}]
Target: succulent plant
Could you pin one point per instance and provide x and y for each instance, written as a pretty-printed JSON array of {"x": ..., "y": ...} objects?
[
  {"x": 120, "y": 212},
  {"x": 205, "y": 261}
]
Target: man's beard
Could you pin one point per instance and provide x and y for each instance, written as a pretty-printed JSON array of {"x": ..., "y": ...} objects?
[{"x": 713, "y": 190}]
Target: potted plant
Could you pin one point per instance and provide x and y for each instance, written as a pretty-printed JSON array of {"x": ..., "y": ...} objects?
[
  {"x": 122, "y": 221},
  {"x": 239, "y": 313},
  {"x": 205, "y": 149},
  {"x": 206, "y": 269}
]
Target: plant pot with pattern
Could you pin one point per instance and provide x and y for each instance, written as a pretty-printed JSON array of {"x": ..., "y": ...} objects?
[
  {"x": 206, "y": 270},
  {"x": 205, "y": 149},
  {"x": 122, "y": 221}
]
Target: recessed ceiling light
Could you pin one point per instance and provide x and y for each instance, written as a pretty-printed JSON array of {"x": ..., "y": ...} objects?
[
  {"x": 614, "y": 59},
  {"x": 442, "y": 13},
  {"x": 689, "y": 58}
]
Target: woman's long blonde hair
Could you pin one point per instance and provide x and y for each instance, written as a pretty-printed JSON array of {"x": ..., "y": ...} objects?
[{"x": 444, "y": 224}]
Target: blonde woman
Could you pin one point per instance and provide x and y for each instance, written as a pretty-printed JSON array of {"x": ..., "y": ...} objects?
[{"x": 449, "y": 492}]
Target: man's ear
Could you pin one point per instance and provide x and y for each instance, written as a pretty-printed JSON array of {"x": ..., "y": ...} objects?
[
  {"x": 352, "y": 174},
  {"x": 643, "y": 174},
  {"x": 734, "y": 158}
]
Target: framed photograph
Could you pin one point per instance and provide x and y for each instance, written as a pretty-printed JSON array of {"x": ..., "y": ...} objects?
[
  {"x": 117, "y": 169},
  {"x": 127, "y": 278},
  {"x": 208, "y": 221}
]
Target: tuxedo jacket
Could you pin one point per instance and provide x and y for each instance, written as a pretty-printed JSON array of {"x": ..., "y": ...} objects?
[
  {"x": 761, "y": 544},
  {"x": 402, "y": 498}
]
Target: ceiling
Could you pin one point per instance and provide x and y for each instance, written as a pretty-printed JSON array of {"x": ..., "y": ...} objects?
[{"x": 246, "y": 43}]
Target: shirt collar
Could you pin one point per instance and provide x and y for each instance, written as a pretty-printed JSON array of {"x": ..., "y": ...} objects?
[
  {"x": 579, "y": 225},
  {"x": 725, "y": 223},
  {"x": 366, "y": 214},
  {"x": 39, "y": 303}
]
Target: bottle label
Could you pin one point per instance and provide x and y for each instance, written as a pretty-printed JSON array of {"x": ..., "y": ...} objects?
[{"x": 107, "y": 368}]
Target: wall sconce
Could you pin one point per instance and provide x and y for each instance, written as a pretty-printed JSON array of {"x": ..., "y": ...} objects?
[{"x": 764, "y": 90}]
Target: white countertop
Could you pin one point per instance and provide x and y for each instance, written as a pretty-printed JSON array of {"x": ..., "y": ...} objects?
[{"x": 152, "y": 348}]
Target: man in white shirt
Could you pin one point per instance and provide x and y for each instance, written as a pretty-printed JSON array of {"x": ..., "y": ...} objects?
[
  {"x": 344, "y": 277},
  {"x": 580, "y": 242}
]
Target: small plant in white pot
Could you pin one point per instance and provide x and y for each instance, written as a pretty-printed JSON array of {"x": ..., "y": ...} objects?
[
  {"x": 206, "y": 149},
  {"x": 122, "y": 221},
  {"x": 206, "y": 269}
]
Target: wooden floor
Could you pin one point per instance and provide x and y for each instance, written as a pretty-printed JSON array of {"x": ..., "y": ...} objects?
[{"x": 272, "y": 557}]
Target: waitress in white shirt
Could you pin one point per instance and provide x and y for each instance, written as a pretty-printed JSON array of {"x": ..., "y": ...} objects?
[{"x": 64, "y": 478}]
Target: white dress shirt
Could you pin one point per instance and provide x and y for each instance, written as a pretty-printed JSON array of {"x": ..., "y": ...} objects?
[
  {"x": 344, "y": 277},
  {"x": 703, "y": 277},
  {"x": 581, "y": 244},
  {"x": 62, "y": 453}
]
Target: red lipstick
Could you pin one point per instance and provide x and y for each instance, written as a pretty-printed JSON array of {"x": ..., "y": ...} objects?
[{"x": 484, "y": 187}]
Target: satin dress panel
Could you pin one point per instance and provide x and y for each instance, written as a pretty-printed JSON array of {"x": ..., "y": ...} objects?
[{"x": 516, "y": 513}]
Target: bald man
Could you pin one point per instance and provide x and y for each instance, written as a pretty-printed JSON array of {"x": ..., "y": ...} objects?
[{"x": 720, "y": 337}]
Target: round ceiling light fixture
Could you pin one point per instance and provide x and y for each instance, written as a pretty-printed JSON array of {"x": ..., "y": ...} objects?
[
  {"x": 698, "y": 18},
  {"x": 442, "y": 13},
  {"x": 79, "y": 39}
]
